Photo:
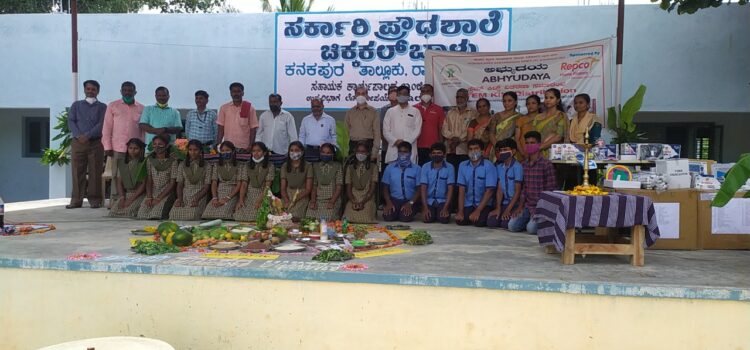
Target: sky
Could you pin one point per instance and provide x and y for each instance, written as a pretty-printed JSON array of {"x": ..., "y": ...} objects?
[{"x": 360, "y": 5}]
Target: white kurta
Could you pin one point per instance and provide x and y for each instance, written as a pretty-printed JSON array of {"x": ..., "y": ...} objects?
[{"x": 401, "y": 123}]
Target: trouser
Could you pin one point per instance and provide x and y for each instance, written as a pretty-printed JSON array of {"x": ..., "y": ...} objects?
[
  {"x": 497, "y": 221},
  {"x": 423, "y": 156},
  {"x": 87, "y": 159},
  {"x": 312, "y": 154},
  {"x": 523, "y": 221},
  {"x": 455, "y": 160},
  {"x": 396, "y": 214},
  {"x": 113, "y": 192},
  {"x": 481, "y": 222},
  {"x": 435, "y": 215}
]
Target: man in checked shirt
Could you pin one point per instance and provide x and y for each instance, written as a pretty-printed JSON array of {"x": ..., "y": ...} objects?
[{"x": 538, "y": 176}]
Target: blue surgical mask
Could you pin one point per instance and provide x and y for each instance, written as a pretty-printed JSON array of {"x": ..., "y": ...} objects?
[
  {"x": 475, "y": 156},
  {"x": 326, "y": 157},
  {"x": 404, "y": 159},
  {"x": 226, "y": 155},
  {"x": 503, "y": 156}
]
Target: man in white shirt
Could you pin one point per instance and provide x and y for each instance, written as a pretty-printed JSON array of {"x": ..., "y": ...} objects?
[
  {"x": 317, "y": 128},
  {"x": 401, "y": 123},
  {"x": 277, "y": 129}
]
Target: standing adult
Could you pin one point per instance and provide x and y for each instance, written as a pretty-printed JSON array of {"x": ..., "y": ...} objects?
[
  {"x": 85, "y": 121},
  {"x": 456, "y": 128},
  {"x": 120, "y": 126},
  {"x": 364, "y": 125},
  {"x": 433, "y": 119},
  {"x": 237, "y": 120},
  {"x": 317, "y": 128},
  {"x": 402, "y": 123},
  {"x": 160, "y": 118},
  {"x": 392, "y": 102},
  {"x": 200, "y": 123},
  {"x": 277, "y": 129}
]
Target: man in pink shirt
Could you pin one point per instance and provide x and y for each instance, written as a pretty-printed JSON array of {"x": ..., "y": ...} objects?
[
  {"x": 121, "y": 125},
  {"x": 433, "y": 118},
  {"x": 237, "y": 120}
]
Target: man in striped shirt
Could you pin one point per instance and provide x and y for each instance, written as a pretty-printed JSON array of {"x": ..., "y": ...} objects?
[
  {"x": 200, "y": 123},
  {"x": 538, "y": 176}
]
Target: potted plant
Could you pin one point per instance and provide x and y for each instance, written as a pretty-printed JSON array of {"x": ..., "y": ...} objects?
[
  {"x": 60, "y": 155},
  {"x": 624, "y": 128}
]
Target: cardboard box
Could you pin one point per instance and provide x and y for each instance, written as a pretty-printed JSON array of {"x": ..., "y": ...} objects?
[
  {"x": 671, "y": 151},
  {"x": 719, "y": 170},
  {"x": 687, "y": 200},
  {"x": 673, "y": 167},
  {"x": 675, "y": 182},
  {"x": 622, "y": 184},
  {"x": 700, "y": 166},
  {"x": 628, "y": 151},
  {"x": 607, "y": 152},
  {"x": 649, "y": 151},
  {"x": 706, "y": 239},
  {"x": 567, "y": 152}
]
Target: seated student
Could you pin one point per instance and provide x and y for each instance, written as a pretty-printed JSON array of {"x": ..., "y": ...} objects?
[
  {"x": 538, "y": 176},
  {"x": 328, "y": 180},
  {"x": 193, "y": 185},
  {"x": 477, "y": 179},
  {"x": 225, "y": 184},
  {"x": 400, "y": 181},
  {"x": 256, "y": 180},
  {"x": 160, "y": 181},
  {"x": 361, "y": 180},
  {"x": 510, "y": 178},
  {"x": 127, "y": 205},
  {"x": 436, "y": 181},
  {"x": 296, "y": 181}
]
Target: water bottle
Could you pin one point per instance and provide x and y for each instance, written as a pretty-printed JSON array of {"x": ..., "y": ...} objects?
[{"x": 323, "y": 230}]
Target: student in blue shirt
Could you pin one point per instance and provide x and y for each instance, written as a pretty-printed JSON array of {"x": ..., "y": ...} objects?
[
  {"x": 477, "y": 179},
  {"x": 400, "y": 182},
  {"x": 437, "y": 180},
  {"x": 509, "y": 180}
]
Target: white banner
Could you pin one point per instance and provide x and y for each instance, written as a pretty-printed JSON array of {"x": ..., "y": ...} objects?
[
  {"x": 575, "y": 69},
  {"x": 326, "y": 55}
]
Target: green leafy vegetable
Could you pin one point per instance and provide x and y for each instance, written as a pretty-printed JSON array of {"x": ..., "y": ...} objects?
[
  {"x": 154, "y": 248},
  {"x": 418, "y": 237},
  {"x": 333, "y": 255}
]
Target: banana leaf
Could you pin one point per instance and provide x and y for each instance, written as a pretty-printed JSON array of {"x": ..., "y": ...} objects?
[
  {"x": 631, "y": 107},
  {"x": 734, "y": 179},
  {"x": 342, "y": 139}
]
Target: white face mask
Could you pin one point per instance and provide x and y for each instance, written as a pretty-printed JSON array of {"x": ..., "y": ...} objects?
[
  {"x": 91, "y": 100},
  {"x": 295, "y": 155},
  {"x": 258, "y": 160},
  {"x": 361, "y": 100},
  {"x": 361, "y": 157},
  {"x": 426, "y": 98}
]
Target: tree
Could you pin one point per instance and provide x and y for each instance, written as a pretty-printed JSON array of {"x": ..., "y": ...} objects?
[
  {"x": 115, "y": 6},
  {"x": 691, "y": 6},
  {"x": 290, "y": 6}
]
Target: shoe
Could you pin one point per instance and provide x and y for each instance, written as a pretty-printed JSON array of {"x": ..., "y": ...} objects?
[{"x": 72, "y": 206}]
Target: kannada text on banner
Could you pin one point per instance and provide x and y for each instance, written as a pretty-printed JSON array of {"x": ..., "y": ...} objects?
[
  {"x": 327, "y": 55},
  {"x": 574, "y": 69}
]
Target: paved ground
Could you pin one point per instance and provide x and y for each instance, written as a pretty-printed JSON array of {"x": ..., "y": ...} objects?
[{"x": 463, "y": 252}]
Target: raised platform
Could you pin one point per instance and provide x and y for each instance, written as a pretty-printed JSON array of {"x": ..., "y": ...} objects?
[{"x": 466, "y": 260}]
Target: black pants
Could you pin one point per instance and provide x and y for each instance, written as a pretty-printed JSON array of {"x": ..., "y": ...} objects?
[{"x": 423, "y": 156}]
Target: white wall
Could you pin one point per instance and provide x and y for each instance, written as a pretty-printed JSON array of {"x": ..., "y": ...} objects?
[{"x": 689, "y": 63}]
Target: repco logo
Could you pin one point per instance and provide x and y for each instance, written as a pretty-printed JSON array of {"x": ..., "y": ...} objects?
[{"x": 581, "y": 64}]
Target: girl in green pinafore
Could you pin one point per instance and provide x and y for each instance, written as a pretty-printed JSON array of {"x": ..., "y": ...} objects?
[
  {"x": 225, "y": 185},
  {"x": 160, "y": 181},
  {"x": 193, "y": 185},
  {"x": 296, "y": 181},
  {"x": 126, "y": 206},
  {"x": 361, "y": 181},
  {"x": 256, "y": 179},
  {"x": 327, "y": 186}
]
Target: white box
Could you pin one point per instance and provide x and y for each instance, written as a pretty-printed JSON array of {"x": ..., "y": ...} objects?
[
  {"x": 675, "y": 182},
  {"x": 720, "y": 170},
  {"x": 628, "y": 151},
  {"x": 649, "y": 151},
  {"x": 673, "y": 167},
  {"x": 566, "y": 152},
  {"x": 622, "y": 184},
  {"x": 671, "y": 151}
]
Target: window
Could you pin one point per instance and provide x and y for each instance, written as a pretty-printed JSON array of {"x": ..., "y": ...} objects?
[{"x": 35, "y": 136}]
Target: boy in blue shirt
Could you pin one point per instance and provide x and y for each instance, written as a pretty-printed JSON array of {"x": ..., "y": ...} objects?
[
  {"x": 510, "y": 177},
  {"x": 477, "y": 179},
  {"x": 400, "y": 182},
  {"x": 436, "y": 180}
]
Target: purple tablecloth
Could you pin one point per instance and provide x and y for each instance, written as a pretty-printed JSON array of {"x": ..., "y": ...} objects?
[{"x": 556, "y": 212}]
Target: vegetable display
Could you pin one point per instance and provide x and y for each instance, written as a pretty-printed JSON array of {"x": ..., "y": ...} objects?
[
  {"x": 309, "y": 225},
  {"x": 154, "y": 248},
  {"x": 418, "y": 237},
  {"x": 333, "y": 255}
]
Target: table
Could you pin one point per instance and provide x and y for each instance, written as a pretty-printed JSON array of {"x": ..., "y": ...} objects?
[
  {"x": 113, "y": 343},
  {"x": 559, "y": 214}
]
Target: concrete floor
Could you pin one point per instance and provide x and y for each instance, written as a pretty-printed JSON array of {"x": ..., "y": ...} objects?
[{"x": 463, "y": 252}]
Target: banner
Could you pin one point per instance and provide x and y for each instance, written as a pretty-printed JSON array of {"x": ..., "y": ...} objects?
[
  {"x": 327, "y": 55},
  {"x": 575, "y": 69}
]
